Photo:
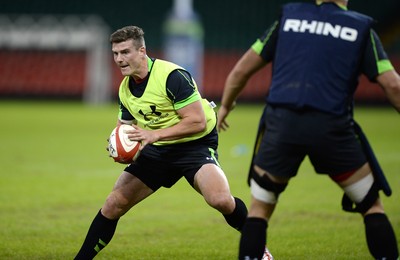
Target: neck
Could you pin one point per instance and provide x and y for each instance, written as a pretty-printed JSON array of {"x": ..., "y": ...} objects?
[{"x": 147, "y": 65}]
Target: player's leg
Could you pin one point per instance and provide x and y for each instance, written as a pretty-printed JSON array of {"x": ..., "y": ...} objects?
[
  {"x": 127, "y": 191},
  {"x": 253, "y": 239},
  {"x": 211, "y": 182},
  {"x": 277, "y": 157},
  {"x": 265, "y": 190},
  {"x": 359, "y": 187}
]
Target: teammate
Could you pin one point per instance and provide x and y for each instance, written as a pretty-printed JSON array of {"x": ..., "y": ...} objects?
[
  {"x": 318, "y": 52},
  {"x": 177, "y": 129}
]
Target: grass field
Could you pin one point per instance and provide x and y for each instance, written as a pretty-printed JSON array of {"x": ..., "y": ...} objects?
[{"x": 55, "y": 175}]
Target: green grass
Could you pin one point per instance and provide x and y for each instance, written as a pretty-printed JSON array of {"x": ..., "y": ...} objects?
[{"x": 55, "y": 175}]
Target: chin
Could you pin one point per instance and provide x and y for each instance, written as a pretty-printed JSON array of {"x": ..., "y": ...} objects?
[{"x": 125, "y": 72}]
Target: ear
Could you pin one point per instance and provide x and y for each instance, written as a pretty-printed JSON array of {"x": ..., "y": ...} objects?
[{"x": 142, "y": 50}]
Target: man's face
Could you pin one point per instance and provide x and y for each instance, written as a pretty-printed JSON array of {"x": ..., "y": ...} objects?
[{"x": 128, "y": 58}]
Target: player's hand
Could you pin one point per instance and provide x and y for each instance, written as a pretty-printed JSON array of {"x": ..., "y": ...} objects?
[
  {"x": 108, "y": 147},
  {"x": 223, "y": 113},
  {"x": 143, "y": 136}
]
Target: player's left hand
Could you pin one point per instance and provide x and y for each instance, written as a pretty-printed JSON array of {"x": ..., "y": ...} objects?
[{"x": 143, "y": 136}]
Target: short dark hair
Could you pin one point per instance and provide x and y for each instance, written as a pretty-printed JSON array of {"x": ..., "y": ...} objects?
[{"x": 129, "y": 32}]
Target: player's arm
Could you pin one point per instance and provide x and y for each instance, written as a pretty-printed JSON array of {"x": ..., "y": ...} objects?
[
  {"x": 390, "y": 83},
  {"x": 254, "y": 59},
  {"x": 377, "y": 67},
  {"x": 248, "y": 64},
  {"x": 193, "y": 120},
  {"x": 187, "y": 102}
]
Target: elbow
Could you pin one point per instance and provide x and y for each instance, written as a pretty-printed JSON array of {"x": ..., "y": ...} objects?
[
  {"x": 390, "y": 82},
  {"x": 199, "y": 125},
  {"x": 202, "y": 125},
  {"x": 393, "y": 94},
  {"x": 240, "y": 76},
  {"x": 394, "y": 88}
]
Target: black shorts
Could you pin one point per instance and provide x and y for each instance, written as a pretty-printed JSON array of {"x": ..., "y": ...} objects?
[
  {"x": 288, "y": 136},
  {"x": 163, "y": 166}
]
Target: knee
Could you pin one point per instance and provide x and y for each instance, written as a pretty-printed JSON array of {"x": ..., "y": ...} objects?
[
  {"x": 224, "y": 203},
  {"x": 362, "y": 196},
  {"x": 115, "y": 206},
  {"x": 377, "y": 207},
  {"x": 265, "y": 187}
]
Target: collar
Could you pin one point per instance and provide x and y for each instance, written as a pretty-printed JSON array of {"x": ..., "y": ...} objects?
[
  {"x": 320, "y": 2},
  {"x": 150, "y": 63}
]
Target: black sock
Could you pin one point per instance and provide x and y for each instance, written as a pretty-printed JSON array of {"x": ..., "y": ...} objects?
[
  {"x": 253, "y": 239},
  {"x": 381, "y": 239},
  {"x": 237, "y": 218},
  {"x": 99, "y": 235}
]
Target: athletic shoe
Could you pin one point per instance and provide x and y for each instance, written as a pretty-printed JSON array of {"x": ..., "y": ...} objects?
[{"x": 267, "y": 255}]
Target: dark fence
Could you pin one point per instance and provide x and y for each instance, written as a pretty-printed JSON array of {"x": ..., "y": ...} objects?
[{"x": 229, "y": 28}]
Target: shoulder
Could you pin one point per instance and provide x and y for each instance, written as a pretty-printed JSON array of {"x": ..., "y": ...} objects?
[
  {"x": 297, "y": 6},
  {"x": 180, "y": 74},
  {"x": 312, "y": 9},
  {"x": 166, "y": 65}
]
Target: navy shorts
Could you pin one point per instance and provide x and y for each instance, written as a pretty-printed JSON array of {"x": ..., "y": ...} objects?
[
  {"x": 163, "y": 166},
  {"x": 287, "y": 136}
]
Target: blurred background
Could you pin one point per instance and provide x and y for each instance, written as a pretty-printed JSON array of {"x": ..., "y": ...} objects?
[{"x": 60, "y": 50}]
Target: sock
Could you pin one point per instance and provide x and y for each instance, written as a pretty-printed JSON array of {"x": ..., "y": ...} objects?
[
  {"x": 381, "y": 239},
  {"x": 237, "y": 218},
  {"x": 253, "y": 239},
  {"x": 99, "y": 235}
]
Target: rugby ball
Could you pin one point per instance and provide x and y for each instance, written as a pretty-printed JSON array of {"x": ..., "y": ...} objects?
[{"x": 121, "y": 148}]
